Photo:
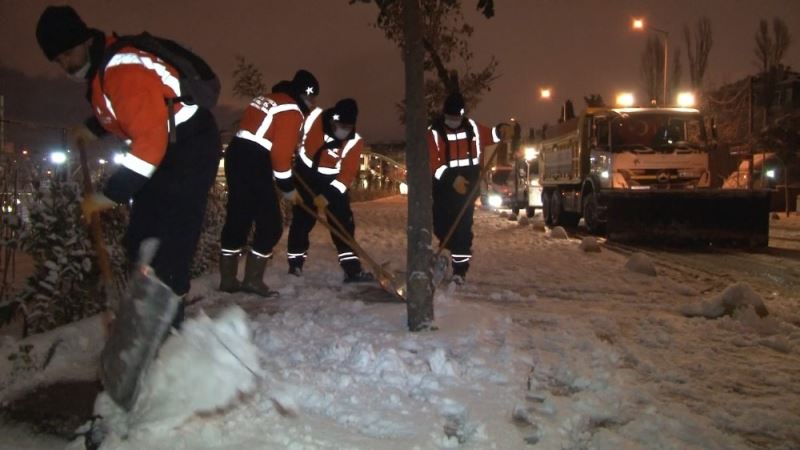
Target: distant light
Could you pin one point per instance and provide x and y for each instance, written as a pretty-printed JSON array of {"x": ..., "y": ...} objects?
[
  {"x": 545, "y": 93},
  {"x": 58, "y": 157},
  {"x": 24, "y": 152},
  {"x": 403, "y": 189},
  {"x": 102, "y": 161},
  {"x": 495, "y": 201},
  {"x": 531, "y": 153},
  {"x": 625, "y": 99},
  {"x": 638, "y": 23},
  {"x": 685, "y": 99},
  {"x": 118, "y": 158},
  {"x": 771, "y": 173},
  {"x": 604, "y": 174}
]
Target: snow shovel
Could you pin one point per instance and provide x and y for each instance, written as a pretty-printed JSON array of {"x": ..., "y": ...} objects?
[
  {"x": 385, "y": 278},
  {"x": 143, "y": 320},
  {"x": 439, "y": 262}
]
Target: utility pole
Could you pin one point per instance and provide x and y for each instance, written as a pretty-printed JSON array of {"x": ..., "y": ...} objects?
[{"x": 750, "y": 81}]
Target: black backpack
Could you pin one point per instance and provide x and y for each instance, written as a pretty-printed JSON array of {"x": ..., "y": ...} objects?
[{"x": 199, "y": 84}]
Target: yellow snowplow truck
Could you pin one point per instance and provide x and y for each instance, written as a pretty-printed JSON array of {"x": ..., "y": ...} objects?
[{"x": 642, "y": 175}]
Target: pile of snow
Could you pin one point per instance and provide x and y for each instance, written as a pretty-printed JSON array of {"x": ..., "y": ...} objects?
[
  {"x": 207, "y": 367},
  {"x": 734, "y": 300},
  {"x": 558, "y": 233},
  {"x": 524, "y": 221},
  {"x": 589, "y": 244},
  {"x": 538, "y": 225},
  {"x": 641, "y": 263}
]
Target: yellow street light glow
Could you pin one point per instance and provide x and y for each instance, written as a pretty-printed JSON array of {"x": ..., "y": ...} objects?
[
  {"x": 638, "y": 23},
  {"x": 531, "y": 153},
  {"x": 625, "y": 99},
  {"x": 545, "y": 93},
  {"x": 685, "y": 99}
]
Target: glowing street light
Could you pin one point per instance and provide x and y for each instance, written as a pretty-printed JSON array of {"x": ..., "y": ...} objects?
[
  {"x": 625, "y": 99},
  {"x": 639, "y": 24},
  {"x": 531, "y": 153},
  {"x": 545, "y": 93},
  {"x": 685, "y": 99},
  {"x": 102, "y": 161},
  {"x": 58, "y": 157}
]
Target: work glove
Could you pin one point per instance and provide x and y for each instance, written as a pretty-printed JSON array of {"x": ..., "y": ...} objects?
[
  {"x": 460, "y": 185},
  {"x": 291, "y": 198},
  {"x": 321, "y": 202},
  {"x": 95, "y": 203}
]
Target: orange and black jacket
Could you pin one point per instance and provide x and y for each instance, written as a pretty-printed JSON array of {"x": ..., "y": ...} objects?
[
  {"x": 131, "y": 105},
  {"x": 323, "y": 153},
  {"x": 274, "y": 122},
  {"x": 449, "y": 149}
]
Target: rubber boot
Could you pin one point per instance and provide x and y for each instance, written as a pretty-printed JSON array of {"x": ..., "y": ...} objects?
[
  {"x": 254, "y": 274},
  {"x": 228, "y": 266},
  {"x": 354, "y": 273}
]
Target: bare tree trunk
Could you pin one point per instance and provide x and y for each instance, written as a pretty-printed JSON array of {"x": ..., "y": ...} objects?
[
  {"x": 419, "y": 278},
  {"x": 786, "y": 187}
]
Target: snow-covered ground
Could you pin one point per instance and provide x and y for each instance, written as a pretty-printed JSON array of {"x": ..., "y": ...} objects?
[{"x": 547, "y": 346}]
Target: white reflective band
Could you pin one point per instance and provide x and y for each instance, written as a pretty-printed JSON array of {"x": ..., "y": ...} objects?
[
  {"x": 339, "y": 186},
  {"x": 109, "y": 107},
  {"x": 167, "y": 78},
  {"x": 226, "y": 251},
  {"x": 349, "y": 258},
  {"x": 456, "y": 136},
  {"x": 137, "y": 165},
  {"x": 296, "y": 255},
  {"x": 264, "y": 142},
  {"x": 459, "y": 261},
  {"x": 312, "y": 116},
  {"x": 461, "y": 256},
  {"x": 346, "y": 254},
  {"x": 285, "y": 175},
  {"x": 495, "y": 136},
  {"x": 308, "y": 162},
  {"x": 350, "y": 144},
  {"x": 477, "y": 132},
  {"x": 464, "y": 162},
  {"x": 435, "y": 136},
  {"x": 439, "y": 172},
  {"x": 261, "y": 255}
]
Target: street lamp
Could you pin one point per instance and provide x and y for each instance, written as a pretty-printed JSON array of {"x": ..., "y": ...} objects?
[
  {"x": 58, "y": 157},
  {"x": 545, "y": 93},
  {"x": 639, "y": 24}
]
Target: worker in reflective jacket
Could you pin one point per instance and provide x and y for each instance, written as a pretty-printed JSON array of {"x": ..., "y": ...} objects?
[
  {"x": 167, "y": 182},
  {"x": 327, "y": 162},
  {"x": 455, "y": 143},
  {"x": 261, "y": 152}
]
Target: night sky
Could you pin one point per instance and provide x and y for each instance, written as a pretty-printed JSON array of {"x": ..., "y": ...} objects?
[{"x": 577, "y": 46}]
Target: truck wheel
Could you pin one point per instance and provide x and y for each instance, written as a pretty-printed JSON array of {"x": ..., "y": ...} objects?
[
  {"x": 591, "y": 214},
  {"x": 530, "y": 211},
  {"x": 559, "y": 216}
]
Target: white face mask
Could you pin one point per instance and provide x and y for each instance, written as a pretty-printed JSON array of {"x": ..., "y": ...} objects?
[
  {"x": 309, "y": 103},
  {"x": 453, "y": 124},
  {"x": 341, "y": 133},
  {"x": 80, "y": 74}
]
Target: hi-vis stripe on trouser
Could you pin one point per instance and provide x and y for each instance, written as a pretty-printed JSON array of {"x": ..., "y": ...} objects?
[
  {"x": 261, "y": 255},
  {"x": 347, "y": 256},
  {"x": 294, "y": 256},
  {"x": 460, "y": 259},
  {"x": 227, "y": 252}
]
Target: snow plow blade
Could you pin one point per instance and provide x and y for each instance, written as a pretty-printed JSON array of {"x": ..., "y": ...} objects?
[
  {"x": 713, "y": 217},
  {"x": 144, "y": 317}
]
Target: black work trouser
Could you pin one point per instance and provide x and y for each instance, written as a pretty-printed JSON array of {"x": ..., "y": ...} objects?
[
  {"x": 251, "y": 198},
  {"x": 447, "y": 204},
  {"x": 171, "y": 206},
  {"x": 303, "y": 222}
]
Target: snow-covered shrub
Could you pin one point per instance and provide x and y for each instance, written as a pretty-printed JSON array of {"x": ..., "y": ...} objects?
[{"x": 64, "y": 285}]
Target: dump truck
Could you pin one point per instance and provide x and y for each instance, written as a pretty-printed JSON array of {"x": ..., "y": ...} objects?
[
  {"x": 512, "y": 179},
  {"x": 641, "y": 174}
]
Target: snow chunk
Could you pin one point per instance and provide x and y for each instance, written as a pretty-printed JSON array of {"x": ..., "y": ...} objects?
[
  {"x": 558, "y": 233},
  {"x": 734, "y": 300},
  {"x": 203, "y": 369},
  {"x": 641, "y": 263},
  {"x": 589, "y": 244},
  {"x": 524, "y": 221},
  {"x": 538, "y": 225}
]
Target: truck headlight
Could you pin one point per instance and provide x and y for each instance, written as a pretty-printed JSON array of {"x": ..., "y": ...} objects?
[
  {"x": 771, "y": 173},
  {"x": 495, "y": 201}
]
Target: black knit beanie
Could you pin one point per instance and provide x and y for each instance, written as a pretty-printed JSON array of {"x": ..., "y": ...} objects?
[
  {"x": 60, "y": 29},
  {"x": 346, "y": 111},
  {"x": 454, "y": 105}
]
